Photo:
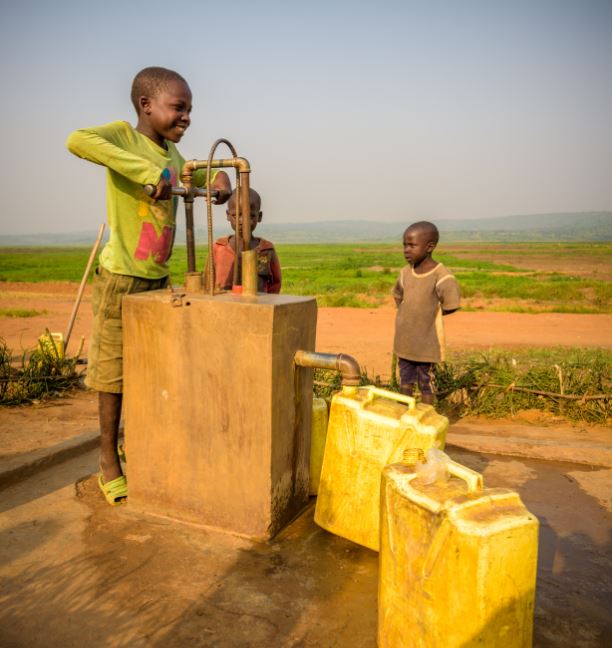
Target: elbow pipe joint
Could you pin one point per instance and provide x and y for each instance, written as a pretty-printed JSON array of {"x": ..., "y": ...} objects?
[
  {"x": 242, "y": 165},
  {"x": 239, "y": 163},
  {"x": 345, "y": 364}
]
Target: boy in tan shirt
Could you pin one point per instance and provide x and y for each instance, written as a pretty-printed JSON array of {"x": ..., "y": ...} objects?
[{"x": 424, "y": 292}]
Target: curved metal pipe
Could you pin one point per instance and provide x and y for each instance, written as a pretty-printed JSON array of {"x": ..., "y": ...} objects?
[
  {"x": 191, "y": 261},
  {"x": 209, "y": 223},
  {"x": 345, "y": 364}
]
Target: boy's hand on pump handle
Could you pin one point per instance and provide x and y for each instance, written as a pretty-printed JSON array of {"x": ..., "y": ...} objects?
[
  {"x": 223, "y": 195},
  {"x": 223, "y": 186},
  {"x": 163, "y": 190}
]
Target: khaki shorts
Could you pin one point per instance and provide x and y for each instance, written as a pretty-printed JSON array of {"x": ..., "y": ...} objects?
[{"x": 105, "y": 357}]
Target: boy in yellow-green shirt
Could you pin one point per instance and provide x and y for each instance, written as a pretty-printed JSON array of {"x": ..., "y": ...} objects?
[{"x": 141, "y": 233}]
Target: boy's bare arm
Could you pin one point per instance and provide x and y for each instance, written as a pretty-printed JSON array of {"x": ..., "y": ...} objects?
[
  {"x": 103, "y": 145},
  {"x": 398, "y": 292},
  {"x": 449, "y": 295}
]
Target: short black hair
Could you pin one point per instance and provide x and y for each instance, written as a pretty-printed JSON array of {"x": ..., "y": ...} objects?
[
  {"x": 427, "y": 228},
  {"x": 254, "y": 197},
  {"x": 148, "y": 82}
]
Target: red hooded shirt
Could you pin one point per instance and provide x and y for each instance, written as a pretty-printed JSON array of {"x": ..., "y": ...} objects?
[{"x": 268, "y": 265}]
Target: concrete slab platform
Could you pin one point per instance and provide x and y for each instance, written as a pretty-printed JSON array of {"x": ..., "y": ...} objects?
[{"x": 75, "y": 571}]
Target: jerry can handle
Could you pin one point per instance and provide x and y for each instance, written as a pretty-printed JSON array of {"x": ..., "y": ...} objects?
[
  {"x": 470, "y": 477},
  {"x": 383, "y": 393},
  {"x": 474, "y": 483}
]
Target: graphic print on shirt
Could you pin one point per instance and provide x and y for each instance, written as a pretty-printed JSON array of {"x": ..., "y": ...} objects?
[
  {"x": 262, "y": 264},
  {"x": 149, "y": 243}
]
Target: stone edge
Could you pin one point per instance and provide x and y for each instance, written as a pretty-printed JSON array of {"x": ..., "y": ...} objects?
[{"x": 42, "y": 458}]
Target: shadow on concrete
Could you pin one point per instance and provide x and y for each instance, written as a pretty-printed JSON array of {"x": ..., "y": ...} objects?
[
  {"x": 21, "y": 539},
  {"x": 48, "y": 480},
  {"x": 305, "y": 588},
  {"x": 134, "y": 580},
  {"x": 67, "y": 603}
]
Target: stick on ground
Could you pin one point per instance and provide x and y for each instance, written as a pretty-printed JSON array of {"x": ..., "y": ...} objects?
[{"x": 77, "y": 303}]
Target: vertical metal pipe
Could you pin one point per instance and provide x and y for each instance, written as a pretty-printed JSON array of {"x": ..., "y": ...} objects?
[
  {"x": 249, "y": 257},
  {"x": 245, "y": 201},
  {"x": 237, "y": 237},
  {"x": 249, "y": 272},
  {"x": 191, "y": 261}
]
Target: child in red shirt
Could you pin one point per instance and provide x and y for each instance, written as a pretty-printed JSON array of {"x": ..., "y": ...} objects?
[{"x": 224, "y": 251}]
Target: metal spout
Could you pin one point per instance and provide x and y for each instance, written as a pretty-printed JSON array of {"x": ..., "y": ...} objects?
[{"x": 345, "y": 364}]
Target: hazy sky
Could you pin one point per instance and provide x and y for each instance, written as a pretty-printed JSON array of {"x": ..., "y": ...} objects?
[{"x": 346, "y": 110}]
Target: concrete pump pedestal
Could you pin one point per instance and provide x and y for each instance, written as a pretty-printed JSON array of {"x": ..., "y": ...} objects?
[{"x": 217, "y": 417}]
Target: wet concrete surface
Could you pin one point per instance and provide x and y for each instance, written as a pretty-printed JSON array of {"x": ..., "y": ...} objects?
[{"x": 77, "y": 572}]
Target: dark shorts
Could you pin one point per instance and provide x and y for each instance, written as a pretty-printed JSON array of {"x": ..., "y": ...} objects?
[
  {"x": 105, "y": 357},
  {"x": 416, "y": 373}
]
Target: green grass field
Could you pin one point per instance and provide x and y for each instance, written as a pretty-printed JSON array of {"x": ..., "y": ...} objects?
[
  {"x": 570, "y": 383},
  {"x": 21, "y": 312},
  {"x": 540, "y": 277}
]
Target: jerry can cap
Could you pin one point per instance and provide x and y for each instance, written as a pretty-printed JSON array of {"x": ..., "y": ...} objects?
[{"x": 413, "y": 456}]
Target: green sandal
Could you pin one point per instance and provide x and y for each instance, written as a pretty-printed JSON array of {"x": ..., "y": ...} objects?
[{"x": 115, "y": 491}]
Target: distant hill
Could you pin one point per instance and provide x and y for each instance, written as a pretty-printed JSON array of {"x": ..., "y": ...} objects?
[
  {"x": 593, "y": 226},
  {"x": 586, "y": 226}
]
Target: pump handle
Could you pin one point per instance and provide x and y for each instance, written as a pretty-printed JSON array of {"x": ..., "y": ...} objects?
[
  {"x": 149, "y": 189},
  {"x": 383, "y": 393}
]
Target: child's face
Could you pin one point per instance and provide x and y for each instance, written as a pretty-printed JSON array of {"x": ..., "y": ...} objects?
[
  {"x": 417, "y": 246},
  {"x": 167, "y": 113},
  {"x": 255, "y": 214}
]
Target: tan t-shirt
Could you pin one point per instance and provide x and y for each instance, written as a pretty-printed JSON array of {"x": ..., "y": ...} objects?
[{"x": 421, "y": 298}]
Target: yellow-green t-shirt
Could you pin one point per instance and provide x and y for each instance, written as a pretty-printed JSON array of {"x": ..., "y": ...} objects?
[{"x": 141, "y": 229}]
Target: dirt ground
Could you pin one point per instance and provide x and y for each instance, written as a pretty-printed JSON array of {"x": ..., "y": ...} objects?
[
  {"x": 75, "y": 571},
  {"x": 539, "y": 258},
  {"x": 27, "y": 428},
  {"x": 366, "y": 334}
]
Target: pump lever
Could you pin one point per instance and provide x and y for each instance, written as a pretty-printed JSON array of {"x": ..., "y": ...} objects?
[{"x": 181, "y": 191}]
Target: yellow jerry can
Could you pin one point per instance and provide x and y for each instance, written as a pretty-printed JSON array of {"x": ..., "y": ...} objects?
[
  {"x": 53, "y": 344},
  {"x": 317, "y": 442},
  {"x": 368, "y": 428},
  {"x": 457, "y": 563}
]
